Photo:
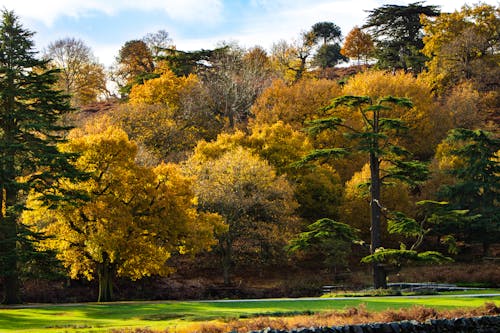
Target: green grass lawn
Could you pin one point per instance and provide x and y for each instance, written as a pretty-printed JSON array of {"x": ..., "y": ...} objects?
[{"x": 160, "y": 315}]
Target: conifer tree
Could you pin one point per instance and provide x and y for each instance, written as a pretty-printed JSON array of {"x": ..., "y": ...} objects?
[
  {"x": 477, "y": 186},
  {"x": 375, "y": 137},
  {"x": 29, "y": 131}
]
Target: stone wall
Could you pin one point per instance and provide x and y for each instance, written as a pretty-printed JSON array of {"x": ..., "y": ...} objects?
[{"x": 486, "y": 324}]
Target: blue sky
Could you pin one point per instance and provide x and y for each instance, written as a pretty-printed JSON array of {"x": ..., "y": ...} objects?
[{"x": 105, "y": 25}]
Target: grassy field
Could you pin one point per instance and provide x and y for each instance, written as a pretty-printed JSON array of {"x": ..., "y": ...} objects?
[{"x": 160, "y": 315}]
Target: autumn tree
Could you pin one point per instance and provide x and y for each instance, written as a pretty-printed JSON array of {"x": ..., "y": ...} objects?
[
  {"x": 296, "y": 104},
  {"x": 166, "y": 89},
  {"x": 463, "y": 45},
  {"x": 168, "y": 115},
  {"x": 427, "y": 121},
  {"x": 134, "y": 219},
  {"x": 135, "y": 64},
  {"x": 358, "y": 45},
  {"x": 292, "y": 59},
  {"x": 374, "y": 137},
  {"x": 256, "y": 204},
  {"x": 293, "y": 104},
  {"x": 317, "y": 187},
  {"x": 397, "y": 31},
  {"x": 466, "y": 105},
  {"x": 29, "y": 131},
  {"x": 81, "y": 76}
]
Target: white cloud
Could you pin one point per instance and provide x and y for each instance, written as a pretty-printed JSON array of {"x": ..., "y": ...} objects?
[
  {"x": 48, "y": 11},
  {"x": 263, "y": 22}
]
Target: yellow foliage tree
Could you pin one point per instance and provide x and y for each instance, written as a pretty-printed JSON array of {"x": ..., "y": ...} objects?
[
  {"x": 257, "y": 204},
  {"x": 294, "y": 104},
  {"x": 165, "y": 90},
  {"x": 132, "y": 220},
  {"x": 428, "y": 123},
  {"x": 463, "y": 45},
  {"x": 318, "y": 188}
]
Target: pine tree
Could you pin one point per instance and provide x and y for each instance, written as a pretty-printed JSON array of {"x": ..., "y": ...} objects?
[{"x": 29, "y": 132}]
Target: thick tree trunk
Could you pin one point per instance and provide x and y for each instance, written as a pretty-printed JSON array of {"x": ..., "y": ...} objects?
[
  {"x": 105, "y": 273},
  {"x": 9, "y": 256},
  {"x": 8, "y": 248},
  {"x": 379, "y": 274}
]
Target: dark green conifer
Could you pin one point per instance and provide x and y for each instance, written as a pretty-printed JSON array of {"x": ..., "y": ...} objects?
[{"x": 30, "y": 129}]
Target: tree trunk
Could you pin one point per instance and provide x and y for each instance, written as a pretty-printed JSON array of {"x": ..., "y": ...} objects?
[
  {"x": 379, "y": 274},
  {"x": 105, "y": 273},
  {"x": 227, "y": 259},
  {"x": 10, "y": 258},
  {"x": 486, "y": 248},
  {"x": 8, "y": 248}
]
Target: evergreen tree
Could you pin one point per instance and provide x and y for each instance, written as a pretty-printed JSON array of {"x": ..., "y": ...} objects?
[
  {"x": 375, "y": 136},
  {"x": 29, "y": 132},
  {"x": 478, "y": 184},
  {"x": 398, "y": 36}
]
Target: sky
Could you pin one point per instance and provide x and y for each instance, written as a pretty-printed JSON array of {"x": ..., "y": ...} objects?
[{"x": 105, "y": 25}]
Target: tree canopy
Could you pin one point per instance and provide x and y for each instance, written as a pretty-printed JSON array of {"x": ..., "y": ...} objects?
[
  {"x": 397, "y": 31},
  {"x": 134, "y": 219}
]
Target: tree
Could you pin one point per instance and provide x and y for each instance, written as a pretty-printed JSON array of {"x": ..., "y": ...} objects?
[
  {"x": 233, "y": 81},
  {"x": 81, "y": 76},
  {"x": 328, "y": 55},
  {"x": 167, "y": 89},
  {"x": 158, "y": 43},
  {"x": 256, "y": 204},
  {"x": 397, "y": 31},
  {"x": 183, "y": 63},
  {"x": 476, "y": 169},
  {"x": 329, "y": 238},
  {"x": 433, "y": 214},
  {"x": 135, "y": 64},
  {"x": 293, "y": 104},
  {"x": 466, "y": 105},
  {"x": 291, "y": 59},
  {"x": 326, "y": 32},
  {"x": 464, "y": 46},
  {"x": 29, "y": 131},
  {"x": 373, "y": 137},
  {"x": 428, "y": 124},
  {"x": 317, "y": 187},
  {"x": 135, "y": 217},
  {"x": 396, "y": 196},
  {"x": 358, "y": 45},
  {"x": 168, "y": 115}
]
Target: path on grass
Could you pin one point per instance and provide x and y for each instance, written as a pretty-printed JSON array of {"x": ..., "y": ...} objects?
[
  {"x": 344, "y": 298},
  {"x": 42, "y": 305}
]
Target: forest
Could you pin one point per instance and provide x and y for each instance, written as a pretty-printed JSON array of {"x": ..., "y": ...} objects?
[{"x": 325, "y": 159}]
